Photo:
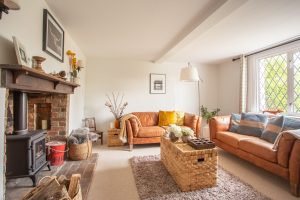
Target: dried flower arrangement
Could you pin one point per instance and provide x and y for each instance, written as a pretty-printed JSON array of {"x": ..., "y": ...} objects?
[
  {"x": 116, "y": 105},
  {"x": 75, "y": 68}
]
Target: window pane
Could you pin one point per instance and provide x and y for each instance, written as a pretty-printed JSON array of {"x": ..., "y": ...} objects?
[
  {"x": 296, "y": 64},
  {"x": 273, "y": 88}
]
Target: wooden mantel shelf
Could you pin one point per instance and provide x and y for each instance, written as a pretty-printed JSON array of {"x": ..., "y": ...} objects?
[{"x": 22, "y": 78}]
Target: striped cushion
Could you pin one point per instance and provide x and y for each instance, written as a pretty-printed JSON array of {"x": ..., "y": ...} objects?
[
  {"x": 291, "y": 123},
  {"x": 273, "y": 128},
  {"x": 252, "y": 124},
  {"x": 234, "y": 122}
]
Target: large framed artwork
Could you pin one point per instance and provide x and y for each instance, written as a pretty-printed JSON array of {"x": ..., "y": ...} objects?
[
  {"x": 157, "y": 83},
  {"x": 53, "y": 37}
]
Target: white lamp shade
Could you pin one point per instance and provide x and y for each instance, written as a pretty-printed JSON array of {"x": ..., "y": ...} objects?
[{"x": 189, "y": 74}]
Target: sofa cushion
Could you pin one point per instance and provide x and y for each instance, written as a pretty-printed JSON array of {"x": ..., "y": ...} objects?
[
  {"x": 259, "y": 148},
  {"x": 179, "y": 118},
  {"x": 235, "y": 120},
  {"x": 190, "y": 121},
  {"x": 165, "y": 118},
  {"x": 151, "y": 131},
  {"x": 147, "y": 118},
  {"x": 252, "y": 124},
  {"x": 273, "y": 128},
  {"x": 291, "y": 123},
  {"x": 230, "y": 138}
]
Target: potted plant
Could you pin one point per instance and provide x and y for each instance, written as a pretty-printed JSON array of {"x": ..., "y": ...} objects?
[
  {"x": 187, "y": 133},
  {"x": 74, "y": 67},
  {"x": 208, "y": 115},
  {"x": 175, "y": 132}
]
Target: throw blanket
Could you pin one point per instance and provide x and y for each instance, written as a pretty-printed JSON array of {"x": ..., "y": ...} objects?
[
  {"x": 123, "y": 133},
  {"x": 295, "y": 133}
]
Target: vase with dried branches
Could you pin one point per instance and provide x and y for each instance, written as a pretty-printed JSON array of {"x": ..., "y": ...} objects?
[{"x": 116, "y": 106}]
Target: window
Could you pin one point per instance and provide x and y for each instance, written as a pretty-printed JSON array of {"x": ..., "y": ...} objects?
[{"x": 279, "y": 82}]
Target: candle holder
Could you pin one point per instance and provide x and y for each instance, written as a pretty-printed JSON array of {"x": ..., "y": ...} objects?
[{"x": 38, "y": 60}]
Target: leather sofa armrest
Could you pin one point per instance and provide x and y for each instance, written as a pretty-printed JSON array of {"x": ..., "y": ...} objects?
[
  {"x": 284, "y": 149},
  {"x": 294, "y": 168},
  {"x": 218, "y": 123}
]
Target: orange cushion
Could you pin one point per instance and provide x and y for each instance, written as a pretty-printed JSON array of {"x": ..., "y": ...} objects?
[
  {"x": 259, "y": 148},
  {"x": 151, "y": 131},
  {"x": 165, "y": 118},
  {"x": 191, "y": 121}
]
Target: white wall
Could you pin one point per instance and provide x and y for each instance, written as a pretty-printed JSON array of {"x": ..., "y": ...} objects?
[
  {"x": 26, "y": 24},
  {"x": 229, "y": 87},
  {"x": 132, "y": 79}
]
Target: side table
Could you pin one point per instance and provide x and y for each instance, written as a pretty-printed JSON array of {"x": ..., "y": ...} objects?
[{"x": 113, "y": 138}]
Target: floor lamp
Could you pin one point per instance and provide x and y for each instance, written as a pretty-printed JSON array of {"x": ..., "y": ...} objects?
[{"x": 190, "y": 74}]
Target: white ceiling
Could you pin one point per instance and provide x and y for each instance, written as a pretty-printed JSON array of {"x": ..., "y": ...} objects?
[{"x": 202, "y": 31}]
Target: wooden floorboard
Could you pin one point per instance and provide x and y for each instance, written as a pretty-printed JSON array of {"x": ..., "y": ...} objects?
[{"x": 84, "y": 167}]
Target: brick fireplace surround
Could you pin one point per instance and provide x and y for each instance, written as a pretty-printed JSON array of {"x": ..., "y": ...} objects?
[{"x": 57, "y": 104}]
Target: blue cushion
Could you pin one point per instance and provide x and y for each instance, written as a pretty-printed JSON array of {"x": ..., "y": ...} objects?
[
  {"x": 234, "y": 122},
  {"x": 252, "y": 124},
  {"x": 291, "y": 123},
  {"x": 273, "y": 128}
]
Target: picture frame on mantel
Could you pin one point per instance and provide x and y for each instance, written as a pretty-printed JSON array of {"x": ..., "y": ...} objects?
[
  {"x": 21, "y": 52},
  {"x": 53, "y": 36},
  {"x": 157, "y": 83}
]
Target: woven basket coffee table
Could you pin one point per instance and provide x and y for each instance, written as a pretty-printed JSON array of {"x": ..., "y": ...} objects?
[{"x": 191, "y": 169}]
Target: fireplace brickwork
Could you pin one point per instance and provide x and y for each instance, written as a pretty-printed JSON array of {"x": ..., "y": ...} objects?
[{"x": 58, "y": 118}]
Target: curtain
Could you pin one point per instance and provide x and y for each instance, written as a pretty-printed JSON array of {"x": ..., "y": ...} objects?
[{"x": 243, "y": 84}]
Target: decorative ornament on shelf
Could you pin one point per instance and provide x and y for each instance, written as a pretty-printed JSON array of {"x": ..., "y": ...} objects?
[
  {"x": 38, "y": 63},
  {"x": 208, "y": 115},
  {"x": 75, "y": 66},
  {"x": 116, "y": 106}
]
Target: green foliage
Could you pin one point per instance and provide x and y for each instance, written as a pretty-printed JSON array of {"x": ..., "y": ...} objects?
[{"x": 208, "y": 115}]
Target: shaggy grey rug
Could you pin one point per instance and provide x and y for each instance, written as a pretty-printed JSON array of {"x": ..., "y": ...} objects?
[{"x": 154, "y": 182}]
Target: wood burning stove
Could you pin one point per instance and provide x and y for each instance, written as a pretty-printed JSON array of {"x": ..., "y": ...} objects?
[
  {"x": 26, "y": 155},
  {"x": 25, "y": 150}
]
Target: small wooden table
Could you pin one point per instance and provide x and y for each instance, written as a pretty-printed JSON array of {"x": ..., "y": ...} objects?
[
  {"x": 190, "y": 168},
  {"x": 113, "y": 138}
]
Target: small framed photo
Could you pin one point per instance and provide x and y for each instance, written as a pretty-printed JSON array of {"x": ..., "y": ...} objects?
[
  {"x": 20, "y": 52},
  {"x": 157, "y": 83},
  {"x": 53, "y": 37}
]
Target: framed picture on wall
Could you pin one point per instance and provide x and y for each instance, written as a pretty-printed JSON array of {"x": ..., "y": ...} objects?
[
  {"x": 157, "y": 83},
  {"x": 53, "y": 37},
  {"x": 20, "y": 52}
]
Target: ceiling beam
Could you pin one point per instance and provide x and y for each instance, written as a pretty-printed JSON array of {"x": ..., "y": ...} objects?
[{"x": 204, "y": 25}]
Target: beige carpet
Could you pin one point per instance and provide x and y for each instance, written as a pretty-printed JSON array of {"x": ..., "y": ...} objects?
[
  {"x": 114, "y": 180},
  {"x": 154, "y": 182}
]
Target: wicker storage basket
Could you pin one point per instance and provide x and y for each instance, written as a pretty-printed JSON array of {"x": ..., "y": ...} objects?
[
  {"x": 80, "y": 151},
  {"x": 191, "y": 169}
]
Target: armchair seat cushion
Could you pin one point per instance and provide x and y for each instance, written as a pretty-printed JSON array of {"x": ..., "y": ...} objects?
[
  {"x": 230, "y": 138},
  {"x": 150, "y": 131},
  {"x": 259, "y": 148}
]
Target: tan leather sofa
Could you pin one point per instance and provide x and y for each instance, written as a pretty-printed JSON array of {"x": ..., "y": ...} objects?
[
  {"x": 150, "y": 132},
  {"x": 284, "y": 162}
]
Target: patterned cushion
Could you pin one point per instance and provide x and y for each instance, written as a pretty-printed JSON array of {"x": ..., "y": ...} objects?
[
  {"x": 165, "y": 118},
  {"x": 252, "y": 124},
  {"x": 234, "y": 122},
  {"x": 273, "y": 128},
  {"x": 291, "y": 123},
  {"x": 179, "y": 118}
]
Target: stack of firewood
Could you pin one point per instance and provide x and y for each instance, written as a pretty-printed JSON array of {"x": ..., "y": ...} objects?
[{"x": 55, "y": 188}]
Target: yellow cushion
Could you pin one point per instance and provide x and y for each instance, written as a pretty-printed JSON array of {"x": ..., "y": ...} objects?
[
  {"x": 165, "y": 118},
  {"x": 179, "y": 118}
]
